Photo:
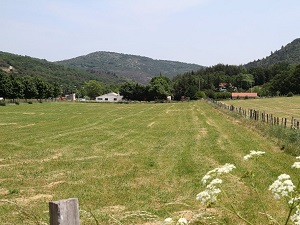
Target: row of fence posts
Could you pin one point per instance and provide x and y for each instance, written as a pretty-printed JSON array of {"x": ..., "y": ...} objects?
[{"x": 259, "y": 116}]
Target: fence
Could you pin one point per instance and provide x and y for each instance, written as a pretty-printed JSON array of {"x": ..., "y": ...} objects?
[
  {"x": 256, "y": 115},
  {"x": 64, "y": 212}
]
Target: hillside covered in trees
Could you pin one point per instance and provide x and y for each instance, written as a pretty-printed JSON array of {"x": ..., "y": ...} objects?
[
  {"x": 289, "y": 54},
  {"x": 26, "y": 77},
  {"x": 51, "y": 72},
  {"x": 132, "y": 67}
]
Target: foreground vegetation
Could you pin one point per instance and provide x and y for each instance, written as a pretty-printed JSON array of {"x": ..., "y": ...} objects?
[{"x": 130, "y": 163}]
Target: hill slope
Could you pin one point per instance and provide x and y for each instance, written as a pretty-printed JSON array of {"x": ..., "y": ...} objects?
[
  {"x": 289, "y": 53},
  {"x": 51, "y": 72},
  {"x": 137, "y": 68}
]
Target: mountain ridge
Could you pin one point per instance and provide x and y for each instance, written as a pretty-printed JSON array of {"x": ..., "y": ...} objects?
[
  {"x": 134, "y": 67},
  {"x": 289, "y": 53}
]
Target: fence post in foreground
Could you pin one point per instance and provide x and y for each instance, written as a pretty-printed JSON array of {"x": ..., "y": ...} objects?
[{"x": 64, "y": 212}]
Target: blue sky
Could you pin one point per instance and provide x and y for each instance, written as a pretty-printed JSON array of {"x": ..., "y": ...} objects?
[{"x": 204, "y": 32}]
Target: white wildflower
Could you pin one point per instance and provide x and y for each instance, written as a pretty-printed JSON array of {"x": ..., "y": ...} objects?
[
  {"x": 295, "y": 201},
  {"x": 253, "y": 154},
  {"x": 182, "y": 221},
  {"x": 217, "y": 172},
  {"x": 296, "y": 217},
  {"x": 296, "y": 165},
  {"x": 205, "y": 179},
  {"x": 282, "y": 186},
  {"x": 210, "y": 194},
  {"x": 298, "y": 157},
  {"x": 168, "y": 221}
]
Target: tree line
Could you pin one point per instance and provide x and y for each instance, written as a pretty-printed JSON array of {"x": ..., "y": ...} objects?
[
  {"x": 278, "y": 79},
  {"x": 27, "y": 87}
]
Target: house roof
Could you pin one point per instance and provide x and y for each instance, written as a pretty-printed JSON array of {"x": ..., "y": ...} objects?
[
  {"x": 243, "y": 94},
  {"x": 109, "y": 94}
]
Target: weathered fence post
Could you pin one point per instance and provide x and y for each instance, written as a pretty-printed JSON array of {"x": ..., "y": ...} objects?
[{"x": 64, "y": 212}]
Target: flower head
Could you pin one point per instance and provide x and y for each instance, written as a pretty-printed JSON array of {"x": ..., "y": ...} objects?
[
  {"x": 253, "y": 154},
  {"x": 296, "y": 217},
  {"x": 296, "y": 165},
  {"x": 282, "y": 186},
  {"x": 168, "y": 221},
  {"x": 217, "y": 172},
  {"x": 298, "y": 157},
  {"x": 182, "y": 221}
]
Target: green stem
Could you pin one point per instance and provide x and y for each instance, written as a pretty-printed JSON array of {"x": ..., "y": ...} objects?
[
  {"x": 292, "y": 207},
  {"x": 261, "y": 202},
  {"x": 234, "y": 211}
]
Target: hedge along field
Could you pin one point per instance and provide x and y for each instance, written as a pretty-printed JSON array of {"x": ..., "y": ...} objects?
[
  {"x": 287, "y": 107},
  {"x": 130, "y": 163}
]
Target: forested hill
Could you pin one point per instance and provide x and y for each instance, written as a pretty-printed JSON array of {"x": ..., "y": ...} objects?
[
  {"x": 49, "y": 71},
  {"x": 289, "y": 54},
  {"x": 137, "y": 68}
]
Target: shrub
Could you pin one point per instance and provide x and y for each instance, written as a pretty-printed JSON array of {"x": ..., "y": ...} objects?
[
  {"x": 290, "y": 94},
  {"x": 2, "y": 103},
  {"x": 30, "y": 102}
]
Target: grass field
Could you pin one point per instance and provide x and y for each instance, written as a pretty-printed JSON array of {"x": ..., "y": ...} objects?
[
  {"x": 287, "y": 107},
  {"x": 130, "y": 163}
]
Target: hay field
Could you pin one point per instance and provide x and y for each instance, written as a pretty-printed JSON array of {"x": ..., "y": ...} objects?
[
  {"x": 287, "y": 107},
  {"x": 129, "y": 163}
]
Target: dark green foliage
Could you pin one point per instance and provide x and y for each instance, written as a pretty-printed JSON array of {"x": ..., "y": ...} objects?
[
  {"x": 199, "y": 95},
  {"x": 289, "y": 54},
  {"x": 131, "y": 67},
  {"x": 2, "y": 103},
  {"x": 50, "y": 72},
  {"x": 290, "y": 94}
]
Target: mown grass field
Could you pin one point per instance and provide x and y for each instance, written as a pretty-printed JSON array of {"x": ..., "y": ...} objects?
[
  {"x": 287, "y": 107},
  {"x": 130, "y": 163}
]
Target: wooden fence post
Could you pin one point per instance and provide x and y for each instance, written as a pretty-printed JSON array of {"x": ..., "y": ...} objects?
[{"x": 64, "y": 212}]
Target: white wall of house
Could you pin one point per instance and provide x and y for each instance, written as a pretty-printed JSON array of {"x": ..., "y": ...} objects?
[{"x": 110, "y": 97}]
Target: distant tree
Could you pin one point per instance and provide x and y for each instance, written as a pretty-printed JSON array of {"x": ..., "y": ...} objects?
[
  {"x": 94, "y": 88},
  {"x": 57, "y": 90},
  {"x": 199, "y": 95},
  {"x": 160, "y": 87},
  {"x": 30, "y": 89},
  {"x": 17, "y": 88},
  {"x": 134, "y": 91},
  {"x": 42, "y": 88},
  {"x": 6, "y": 86}
]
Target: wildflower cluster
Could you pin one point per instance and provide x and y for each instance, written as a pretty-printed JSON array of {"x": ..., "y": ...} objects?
[
  {"x": 181, "y": 221},
  {"x": 296, "y": 217},
  {"x": 284, "y": 187},
  {"x": 212, "y": 184},
  {"x": 253, "y": 154}
]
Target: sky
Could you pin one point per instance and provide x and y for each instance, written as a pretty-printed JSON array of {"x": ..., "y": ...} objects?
[{"x": 204, "y": 32}]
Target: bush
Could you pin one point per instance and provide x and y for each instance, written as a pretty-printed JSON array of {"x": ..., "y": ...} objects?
[
  {"x": 17, "y": 103},
  {"x": 290, "y": 94},
  {"x": 199, "y": 95},
  {"x": 2, "y": 103},
  {"x": 30, "y": 102}
]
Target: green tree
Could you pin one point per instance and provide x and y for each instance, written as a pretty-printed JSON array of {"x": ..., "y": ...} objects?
[
  {"x": 30, "y": 89},
  {"x": 17, "y": 88},
  {"x": 160, "y": 87},
  {"x": 94, "y": 88},
  {"x": 57, "y": 90},
  {"x": 6, "y": 86}
]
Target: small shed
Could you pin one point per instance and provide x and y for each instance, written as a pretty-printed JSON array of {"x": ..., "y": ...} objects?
[
  {"x": 237, "y": 95},
  {"x": 110, "y": 97}
]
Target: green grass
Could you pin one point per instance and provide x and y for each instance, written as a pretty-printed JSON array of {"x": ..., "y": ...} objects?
[
  {"x": 287, "y": 107},
  {"x": 130, "y": 162}
]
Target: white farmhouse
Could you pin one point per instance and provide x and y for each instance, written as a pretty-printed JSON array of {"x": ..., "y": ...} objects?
[{"x": 110, "y": 97}]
